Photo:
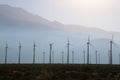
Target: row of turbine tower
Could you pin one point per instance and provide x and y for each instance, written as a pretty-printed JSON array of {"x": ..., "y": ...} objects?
[
  {"x": 51, "y": 53},
  {"x": 110, "y": 51}
]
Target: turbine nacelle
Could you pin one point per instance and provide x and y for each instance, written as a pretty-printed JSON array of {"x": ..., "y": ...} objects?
[
  {"x": 89, "y": 43},
  {"x": 20, "y": 45},
  {"x": 112, "y": 42},
  {"x": 51, "y": 44},
  {"x": 6, "y": 44},
  {"x": 34, "y": 45}
]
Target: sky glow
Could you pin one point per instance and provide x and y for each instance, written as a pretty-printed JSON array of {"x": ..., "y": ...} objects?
[{"x": 103, "y": 14}]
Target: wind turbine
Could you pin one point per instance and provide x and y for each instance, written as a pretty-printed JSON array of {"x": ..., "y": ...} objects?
[
  {"x": 34, "y": 46},
  {"x": 43, "y": 57},
  {"x": 6, "y": 47},
  {"x": 73, "y": 57},
  {"x": 19, "y": 52},
  {"x": 88, "y": 53},
  {"x": 111, "y": 49},
  {"x": 51, "y": 44}
]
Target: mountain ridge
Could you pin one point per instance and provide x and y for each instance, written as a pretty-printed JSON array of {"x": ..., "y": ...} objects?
[{"x": 18, "y": 16}]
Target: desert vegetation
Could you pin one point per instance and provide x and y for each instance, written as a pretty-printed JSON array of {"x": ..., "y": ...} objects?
[{"x": 59, "y": 72}]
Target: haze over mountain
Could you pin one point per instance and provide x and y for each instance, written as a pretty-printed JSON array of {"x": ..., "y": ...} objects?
[
  {"x": 16, "y": 25},
  {"x": 14, "y": 16}
]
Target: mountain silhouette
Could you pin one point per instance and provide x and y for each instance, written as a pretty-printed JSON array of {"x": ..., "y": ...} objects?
[{"x": 18, "y": 17}]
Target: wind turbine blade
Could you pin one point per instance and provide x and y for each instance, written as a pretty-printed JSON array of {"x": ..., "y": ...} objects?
[
  {"x": 70, "y": 44},
  {"x": 115, "y": 44},
  {"x": 91, "y": 45},
  {"x": 33, "y": 42},
  {"x": 52, "y": 43},
  {"x": 65, "y": 47},
  {"x": 96, "y": 51}
]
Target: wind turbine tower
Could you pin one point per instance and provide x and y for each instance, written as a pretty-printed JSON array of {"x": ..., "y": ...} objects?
[
  {"x": 119, "y": 59},
  {"x": 72, "y": 57},
  {"x": 51, "y": 44},
  {"x": 19, "y": 53},
  {"x": 111, "y": 43},
  {"x": 88, "y": 53},
  {"x": 43, "y": 57},
  {"x": 6, "y": 48},
  {"x": 62, "y": 57},
  {"x": 34, "y": 46},
  {"x": 68, "y": 45},
  {"x": 111, "y": 49}
]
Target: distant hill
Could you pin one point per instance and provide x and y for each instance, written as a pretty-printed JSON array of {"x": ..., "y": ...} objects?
[{"x": 14, "y": 16}]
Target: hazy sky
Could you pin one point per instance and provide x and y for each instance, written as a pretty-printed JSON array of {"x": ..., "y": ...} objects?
[{"x": 91, "y": 13}]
